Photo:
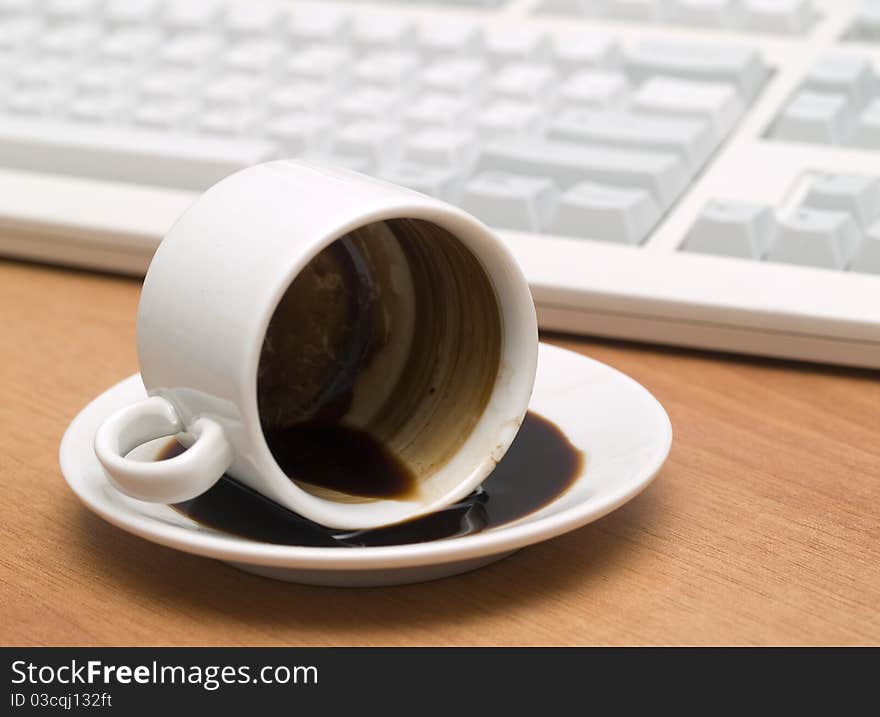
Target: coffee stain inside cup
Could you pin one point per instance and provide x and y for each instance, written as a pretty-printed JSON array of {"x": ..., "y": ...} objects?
[{"x": 378, "y": 362}]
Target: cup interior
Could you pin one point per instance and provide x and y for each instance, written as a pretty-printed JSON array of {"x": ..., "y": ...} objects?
[{"x": 378, "y": 362}]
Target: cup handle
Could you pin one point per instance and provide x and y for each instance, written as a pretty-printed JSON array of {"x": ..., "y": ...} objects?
[{"x": 170, "y": 481}]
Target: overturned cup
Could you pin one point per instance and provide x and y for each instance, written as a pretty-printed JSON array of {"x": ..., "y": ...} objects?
[{"x": 356, "y": 352}]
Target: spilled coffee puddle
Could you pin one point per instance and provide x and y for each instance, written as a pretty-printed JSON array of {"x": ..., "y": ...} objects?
[{"x": 540, "y": 465}]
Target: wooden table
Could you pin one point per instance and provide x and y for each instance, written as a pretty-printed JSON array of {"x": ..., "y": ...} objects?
[{"x": 763, "y": 527}]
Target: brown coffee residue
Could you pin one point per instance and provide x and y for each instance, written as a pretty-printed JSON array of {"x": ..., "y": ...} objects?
[
  {"x": 379, "y": 360},
  {"x": 324, "y": 330},
  {"x": 540, "y": 465}
]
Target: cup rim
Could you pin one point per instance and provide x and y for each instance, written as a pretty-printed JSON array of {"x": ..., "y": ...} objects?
[{"x": 518, "y": 365}]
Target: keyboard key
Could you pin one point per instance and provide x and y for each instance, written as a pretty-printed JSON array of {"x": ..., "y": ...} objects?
[
  {"x": 855, "y": 194},
  {"x": 577, "y": 51},
  {"x": 163, "y": 114},
  {"x": 441, "y": 182},
  {"x": 740, "y": 66},
  {"x": 613, "y": 214},
  {"x": 299, "y": 96},
  {"x": 18, "y": 32},
  {"x": 173, "y": 84},
  {"x": 9, "y": 60},
  {"x": 693, "y": 139},
  {"x": 508, "y": 201},
  {"x": 318, "y": 25},
  {"x": 69, "y": 40},
  {"x": 229, "y": 121},
  {"x": 441, "y": 147},
  {"x": 638, "y": 10},
  {"x": 812, "y": 237},
  {"x": 464, "y": 76},
  {"x": 327, "y": 63},
  {"x": 104, "y": 78},
  {"x": 97, "y": 108},
  {"x": 70, "y": 9},
  {"x": 445, "y": 39},
  {"x": 39, "y": 101},
  {"x": 252, "y": 19},
  {"x": 14, "y": 7},
  {"x": 368, "y": 103},
  {"x": 190, "y": 49},
  {"x": 510, "y": 45},
  {"x": 477, "y": 3},
  {"x": 663, "y": 174},
  {"x": 727, "y": 228},
  {"x": 43, "y": 73},
  {"x": 843, "y": 74},
  {"x": 254, "y": 56},
  {"x": 182, "y": 16},
  {"x": 508, "y": 118},
  {"x": 868, "y": 127},
  {"x": 595, "y": 88},
  {"x": 705, "y": 13},
  {"x": 716, "y": 102},
  {"x": 866, "y": 25},
  {"x": 378, "y": 32},
  {"x": 524, "y": 82},
  {"x": 771, "y": 16},
  {"x": 129, "y": 44},
  {"x": 232, "y": 90},
  {"x": 376, "y": 140},
  {"x": 438, "y": 110},
  {"x": 130, "y": 12},
  {"x": 563, "y": 7},
  {"x": 388, "y": 69},
  {"x": 867, "y": 257},
  {"x": 125, "y": 155},
  {"x": 297, "y": 133},
  {"x": 815, "y": 117},
  {"x": 789, "y": 17}
]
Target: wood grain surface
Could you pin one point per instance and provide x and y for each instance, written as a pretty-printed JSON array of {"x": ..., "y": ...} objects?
[{"x": 763, "y": 527}]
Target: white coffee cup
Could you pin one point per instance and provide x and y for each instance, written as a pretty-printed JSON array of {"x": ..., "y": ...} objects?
[{"x": 446, "y": 385}]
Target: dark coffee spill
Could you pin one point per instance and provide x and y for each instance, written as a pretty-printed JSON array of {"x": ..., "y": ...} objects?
[{"x": 540, "y": 465}]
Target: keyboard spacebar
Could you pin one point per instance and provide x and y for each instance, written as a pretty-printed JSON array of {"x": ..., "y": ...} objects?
[{"x": 125, "y": 155}]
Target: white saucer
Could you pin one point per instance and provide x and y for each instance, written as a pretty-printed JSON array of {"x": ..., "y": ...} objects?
[{"x": 623, "y": 431}]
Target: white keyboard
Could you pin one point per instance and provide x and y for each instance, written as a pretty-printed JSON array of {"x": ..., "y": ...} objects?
[{"x": 694, "y": 172}]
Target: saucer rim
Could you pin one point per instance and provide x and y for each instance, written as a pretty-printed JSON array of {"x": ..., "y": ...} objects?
[{"x": 504, "y": 538}]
